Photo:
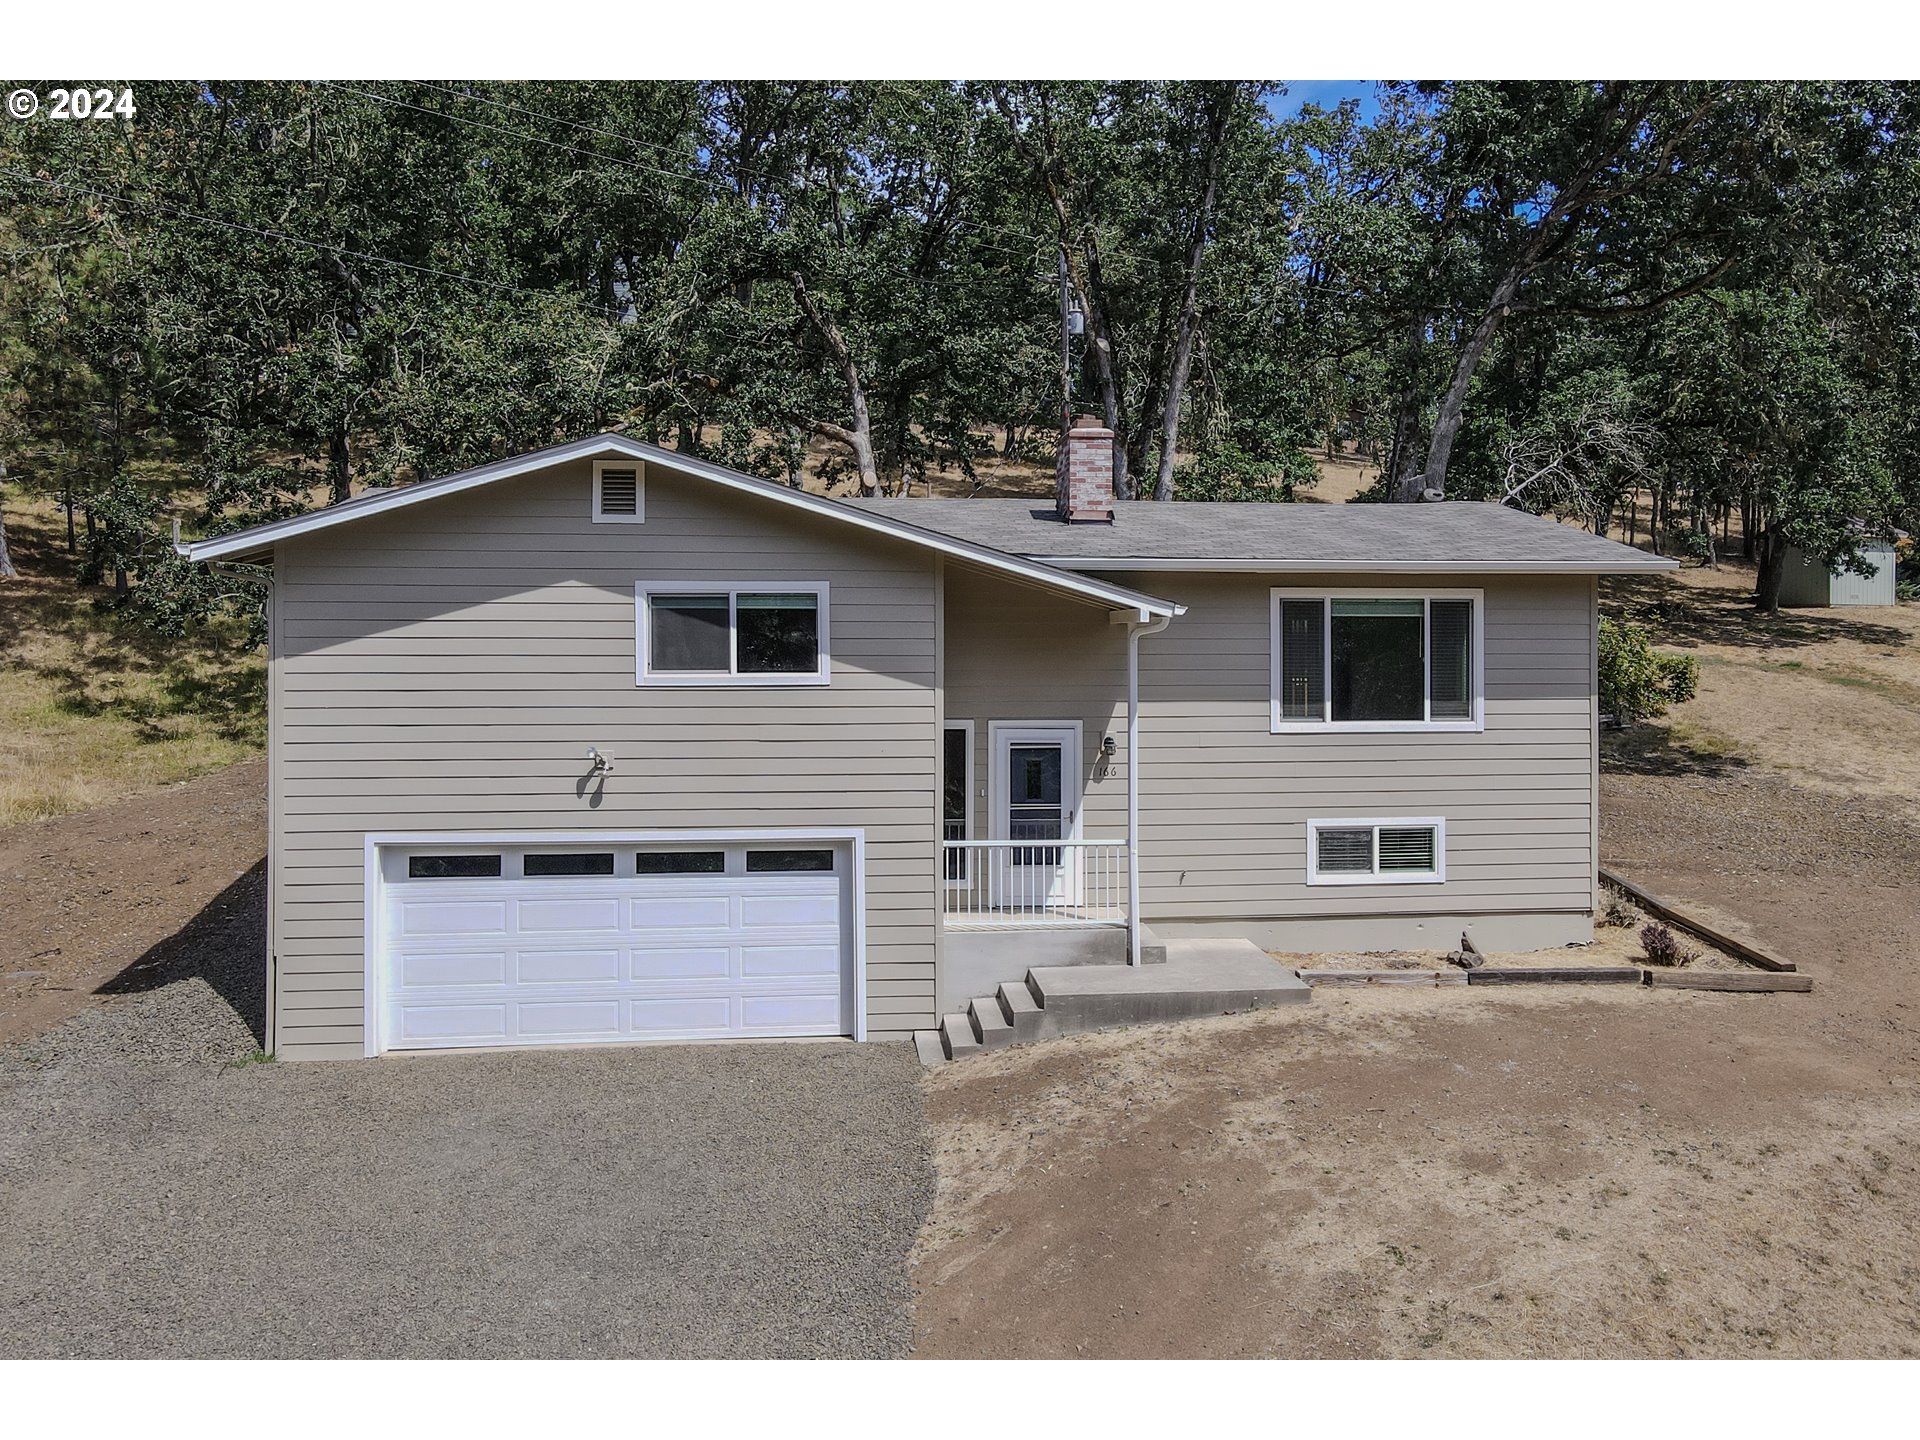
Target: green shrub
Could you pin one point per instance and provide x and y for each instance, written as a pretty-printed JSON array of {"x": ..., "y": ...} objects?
[{"x": 1638, "y": 682}]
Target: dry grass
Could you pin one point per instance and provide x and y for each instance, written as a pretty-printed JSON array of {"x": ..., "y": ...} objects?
[
  {"x": 91, "y": 708},
  {"x": 1827, "y": 698}
]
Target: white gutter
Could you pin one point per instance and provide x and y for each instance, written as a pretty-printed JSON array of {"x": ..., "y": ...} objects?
[
  {"x": 1651, "y": 563},
  {"x": 1138, "y": 623}
]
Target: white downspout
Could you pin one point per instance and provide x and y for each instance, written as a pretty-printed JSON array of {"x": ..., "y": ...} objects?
[{"x": 1135, "y": 629}]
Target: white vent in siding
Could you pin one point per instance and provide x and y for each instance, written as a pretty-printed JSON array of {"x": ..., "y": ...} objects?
[
  {"x": 619, "y": 492},
  {"x": 1377, "y": 852}
]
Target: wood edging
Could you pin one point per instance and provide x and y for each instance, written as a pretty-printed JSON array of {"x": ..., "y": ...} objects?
[
  {"x": 1667, "y": 911},
  {"x": 1557, "y": 975},
  {"x": 1384, "y": 977},
  {"x": 1744, "y": 981},
  {"x": 1739, "y": 980}
]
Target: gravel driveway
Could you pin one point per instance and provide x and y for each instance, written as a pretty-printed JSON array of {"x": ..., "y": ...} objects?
[{"x": 157, "y": 1199}]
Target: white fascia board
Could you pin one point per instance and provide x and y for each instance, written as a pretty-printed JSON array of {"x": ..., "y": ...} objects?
[
  {"x": 263, "y": 537},
  {"x": 1652, "y": 564}
]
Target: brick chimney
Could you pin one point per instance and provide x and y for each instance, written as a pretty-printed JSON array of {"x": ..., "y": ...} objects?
[{"x": 1084, "y": 480}]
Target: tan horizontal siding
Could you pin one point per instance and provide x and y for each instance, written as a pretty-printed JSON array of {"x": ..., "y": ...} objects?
[
  {"x": 445, "y": 669},
  {"x": 1224, "y": 802}
]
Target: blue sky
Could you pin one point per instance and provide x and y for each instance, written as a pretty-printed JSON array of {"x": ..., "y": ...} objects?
[{"x": 1327, "y": 93}]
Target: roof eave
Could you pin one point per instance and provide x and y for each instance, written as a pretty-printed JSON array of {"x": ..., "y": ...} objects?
[
  {"x": 1653, "y": 564},
  {"x": 261, "y": 539}
]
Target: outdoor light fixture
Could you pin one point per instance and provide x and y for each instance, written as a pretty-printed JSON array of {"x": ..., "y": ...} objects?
[
  {"x": 1107, "y": 747},
  {"x": 602, "y": 762}
]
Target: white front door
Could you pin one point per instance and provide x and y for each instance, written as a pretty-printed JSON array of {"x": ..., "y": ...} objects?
[{"x": 1036, "y": 798}]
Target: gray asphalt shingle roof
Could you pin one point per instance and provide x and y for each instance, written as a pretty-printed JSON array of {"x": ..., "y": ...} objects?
[{"x": 1451, "y": 535}]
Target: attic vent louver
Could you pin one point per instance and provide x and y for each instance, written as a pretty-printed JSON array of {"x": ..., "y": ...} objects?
[{"x": 617, "y": 492}]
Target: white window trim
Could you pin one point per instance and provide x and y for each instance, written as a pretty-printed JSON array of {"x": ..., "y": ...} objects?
[
  {"x": 957, "y": 882},
  {"x": 644, "y": 674},
  {"x": 1400, "y": 877},
  {"x": 639, "y": 515},
  {"x": 1279, "y": 726}
]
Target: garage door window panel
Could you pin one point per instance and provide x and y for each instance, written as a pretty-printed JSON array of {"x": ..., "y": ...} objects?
[
  {"x": 680, "y": 862},
  {"x": 537, "y": 865},
  {"x": 453, "y": 867},
  {"x": 789, "y": 861}
]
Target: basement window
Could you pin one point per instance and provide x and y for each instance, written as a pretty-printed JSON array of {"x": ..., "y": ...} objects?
[
  {"x": 1377, "y": 852},
  {"x": 619, "y": 492},
  {"x": 733, "y": 635}
]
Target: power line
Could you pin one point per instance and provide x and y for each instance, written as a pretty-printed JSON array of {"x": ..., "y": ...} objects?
[
  {"x": 713, "y": 187},
  {"x": 680, "y": 176},
  {"x": 326, "y": 247},
  {"x": 550, "y": 119},
  {"x": 615, "y": 313}
]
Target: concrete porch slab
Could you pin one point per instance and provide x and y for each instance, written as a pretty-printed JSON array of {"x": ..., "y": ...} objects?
[{"x": 1199, "y": 977}]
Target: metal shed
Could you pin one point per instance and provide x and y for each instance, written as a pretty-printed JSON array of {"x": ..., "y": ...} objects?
[{"x": 1808, "y": 582}]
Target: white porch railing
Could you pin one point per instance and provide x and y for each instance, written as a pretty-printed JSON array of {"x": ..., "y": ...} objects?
[{"x": 1011, "y": 884}]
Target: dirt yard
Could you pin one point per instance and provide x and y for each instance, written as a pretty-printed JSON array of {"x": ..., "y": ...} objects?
[
  {"x": 1829, "y": 698},
  {"x": 110, "y": 898},
  {"x": 1464, "y": 1172}
]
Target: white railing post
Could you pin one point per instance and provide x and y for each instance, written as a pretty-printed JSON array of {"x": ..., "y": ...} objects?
[{"x": 1006, "y": 884}]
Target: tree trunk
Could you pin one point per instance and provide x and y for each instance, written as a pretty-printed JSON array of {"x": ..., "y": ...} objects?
[
  {"x": 1453, "y": 404},
  {"x": 339, "y": 463},
  {"x": 858, "y": 439},
  {"x": 1773, "y": 569},
  {"x": 7, "y": 572},
  {"x": 796, "y": 459},
  {"x": 1109, "y": 382},
  {"x": 1183, "y": 336},
  {"x": 1406, "y": 418},
  {"x": 73, "y": 543}
]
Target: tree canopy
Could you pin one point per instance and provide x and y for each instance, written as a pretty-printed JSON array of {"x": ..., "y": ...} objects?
[{"x": 253, "y": 298}]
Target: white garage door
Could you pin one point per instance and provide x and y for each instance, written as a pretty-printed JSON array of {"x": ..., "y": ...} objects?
[{"x": 587, "y": 943}]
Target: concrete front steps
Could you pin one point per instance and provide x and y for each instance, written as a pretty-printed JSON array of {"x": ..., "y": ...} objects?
[{"x": 1199, "y": 977}]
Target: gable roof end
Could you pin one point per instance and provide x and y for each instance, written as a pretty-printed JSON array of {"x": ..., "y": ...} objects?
[{"x": 260, "y": 538}]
